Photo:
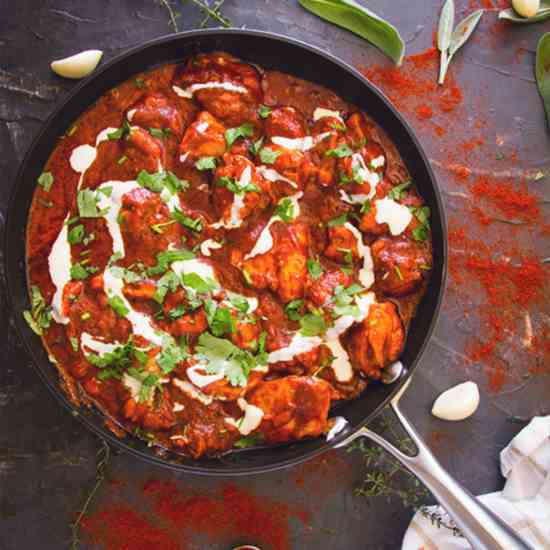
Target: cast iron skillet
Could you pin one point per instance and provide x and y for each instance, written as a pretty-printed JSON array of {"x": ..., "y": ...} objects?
[{"x": 292, "y": 56}]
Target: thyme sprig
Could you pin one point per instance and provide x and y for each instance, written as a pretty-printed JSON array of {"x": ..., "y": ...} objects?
[
  {"x": 103, "y": 456},
  {"x": 211, "y": 11}
]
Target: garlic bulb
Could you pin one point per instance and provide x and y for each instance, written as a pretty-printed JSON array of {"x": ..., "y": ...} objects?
[
  {"x": 457, "y": 403},
  {"x": 526, "y": 8},
  {"x": 78, "y": 65}
]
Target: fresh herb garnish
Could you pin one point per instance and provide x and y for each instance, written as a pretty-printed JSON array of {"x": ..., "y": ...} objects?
[
  {"x": 292, "y": 309},
  {"x": 177, "y": 312},
  {"x": 314, "y": 268},
  {"x": 341, "y": 151},
  {"x": 171, "y": 354},
  {"x": 195, "y": 224},
  {"x": 139, "y": 82},
  {"x": 365, "y": 207},
  {"x": 206, "y": 163},
  {"x": 169, "y": 282},
  {"x": 264, "y": 111},
  {"x": 269, "y": 156},
  {"x": 340, "y": 220},
  {"x": 421, "y": 231},
  {"x": 220, "y": 319},
  {"x": 122, "y": 160},
  {"x": 195, "y": 282},
  {"x": 285, "y": 210},
  {"x": 243, "y": 131},
  {"x": 122, "y": 132},
  {"x": 45, "y": 180},
  {"x": 255, "y": 146},
  {"x": 40, "y": 315},
  {"x": 159, "y": 181},
  {"x": 449, "y": 41},
  {"x": 159, "y": 227},
  {"x": 76, "y": 234},
  {"x": 235, "y": 186},
  {"x": 398, "y": 273},
  {"x": 74, "y": 343},
  {"x": 360, "y": 20},
  {"x": 160, "y": 133},
  {"x": 252, "y": 440},
  {"x": 312, "y": 324},
  {"x": 167, "y": 257},
  {"x": 398, "y": 192},
  {"x": 80, "y": 271},
  {"x": 87, "y": 204}
]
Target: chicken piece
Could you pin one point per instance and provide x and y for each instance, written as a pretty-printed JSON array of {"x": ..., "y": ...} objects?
[
  {"x": 205, "y": 137},
  {"x": 246, "y": 335},
  {"x": 277, "y": 324},
  {"x": 261, "y": 271},
  {"x": 155, "y": 415},
  {"x": 294, "y": 407},
  {"x": 328, "y": 124},
  {"x": 247, "y": 193},
  {"x": 400, "y": 265},
  {"x": 141, "y": 291},
  {"x": 236, "y": 104},
  {"x": 321, "y": 290},
  {"x": 285, "y": 122},
  {"x": 369, "y": 224},
  {"x": 144, "y": 150},
  {"x": 357, "y": 128},
  {"x": 224, "y": 391},
  {"x": 155, "y": 110},
  {"x": 374, "y": 156},
  {"x": 342, "y": 243},
  {"x": 378, "y": 340}
]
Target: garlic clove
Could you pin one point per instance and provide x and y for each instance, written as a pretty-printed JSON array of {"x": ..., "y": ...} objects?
[
  {"x": 457, "y": 403},
  {"x": 526, "y": 8},
  {"x": 78, "y": 65}
]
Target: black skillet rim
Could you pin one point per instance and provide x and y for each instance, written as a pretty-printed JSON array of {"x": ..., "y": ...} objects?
[{"x": 55, "y": 388}]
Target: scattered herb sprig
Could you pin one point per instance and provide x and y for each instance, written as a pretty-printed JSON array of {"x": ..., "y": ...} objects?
[{"x": 542, "y": 71}]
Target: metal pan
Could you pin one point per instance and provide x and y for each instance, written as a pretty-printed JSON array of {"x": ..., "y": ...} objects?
[{"x": 292, "y": 56}]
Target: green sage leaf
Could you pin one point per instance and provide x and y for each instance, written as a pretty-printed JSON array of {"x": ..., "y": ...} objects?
[
  {"x": 355, "y": 18},
  {"x": 542, "y": 71},
  {"x": 512, "y": 15}
]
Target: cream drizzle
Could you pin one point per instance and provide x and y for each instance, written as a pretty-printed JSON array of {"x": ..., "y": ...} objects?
[
  {"x": 190, "y": 90},
  {"x": 396, "y": 215},
  {"x": 272, "y": 175},
  {"x": 59, "y": 263},
  {"x": 299, "y": 144}
]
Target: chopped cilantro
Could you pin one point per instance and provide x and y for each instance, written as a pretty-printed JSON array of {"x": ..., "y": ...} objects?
[
  {"x": 340, "y": 152},
  {"x": 206, "y": 163},
  {"x": 232, "y": 134},
  {"x": 198, "y": 284},
  {"x": 252, "y": 440},
  {"x": 240, "y": 303},
  {"x": 177, "y": 312},
  {"x": 40, "y": 315},
  {"x": 159, "y": 227},
  {"x": 264, "y": 111},
  {"x": 269, "y": 156},
  {"x": 45, "y": 181},
  {"x": 366, "y": 206},
  {"x": 292, "y": 309},
  {"x": 195, "y": 224},
  {"x": 76, "y": 234},
  {"x": 167, "y": 257},
  {"x": 171, "y": 354},
  {"x": 122, "y": 132},
  {"x": 285, "y": 210},
  {"x": 255, "y": 146},
  {"x": 398, "y": 192},
  {"x": 118, "y": 305},
  {"x": 220, "y": 319},
  {"x": 421, "y": 231},
  {"x": 340, "y": 220},
  {"x": 235, "y": 186},
  {"x": 312, "y": 324},
  {"x": 79, "y": 271},
  {"x": 159, "y": 181},
  {"x": 139, "y": 82},
  {"x": 169, "y": 282},
  {"x": 160, "y": 133},
  {"x": 315, "y": 268}
]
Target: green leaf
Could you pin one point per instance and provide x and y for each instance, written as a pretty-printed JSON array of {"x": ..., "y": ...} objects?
[
  {"x": 148, "y": 385},
  {"x": 158, "y": 228},
  {"x": 252, "y": 440},
  {"x": 121, "y": 133},
  {"x": 264, "y": 111},
  {"x": 119, "y": 359},
  {"x": 171, "y": 355},
  {"x": 366, "y": 206},
  {"x": 167, "y": 257},
  {"x": 206, "y": 163},
  {"x": 341, "y": 151},
  {"x": 195, "y": 224},
  {"x": 269, "y": 156},
  {"x": 76, "y": 234},
  {"x": 87, "y": 204},
  {"x": 198, "y": 284},
  {"x": 446, "y": 25},
  {"x": 240, "y": 303},
  {"x": 118, "y": 305},
  {"x": 40, "y": 315},
  {"x": 177, "y": 312},
  {"x": 513, "y": 16},
  {"x": 45, "y": 181},
  {"x": 398, "y": 192},
  {"x": 153, "y": 182},
  {"x": 285, "y": 210},
  {"x": 220, "y": 319},
  {"x": 80, "y": 272},
  {"x": 235, "y": 186},
  {"x": 255, "y": 147},
  {"x": 139, "y": 82},
  {"x": 292, "y": 309},
  {"x": 160, "y": 133},
  {"x": 169, "y": 282},
  {"x": 315, "y": 268},
  {"x": 312, "y": 324},
  {"x": 232, "y": 134},
  {"x": 542, "y": 72},
  {"x": 340, "y": 220},
  {"x": 361, "y": 21}
]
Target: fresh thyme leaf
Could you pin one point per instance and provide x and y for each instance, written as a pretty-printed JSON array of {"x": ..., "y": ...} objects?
[
  {"x": 264, "y": 111},
  {"x": 206, "y": 163},
  {"x": 76, "y": 234},
  {"x": 285, "y": 210},
  {"x": 232, "y": 134},
  {"x": 314, "y": 268},
  {"x": 45, "y": 181},
  {"x": 122, "y": 132},
  {"x": 269, "y": 156},
  {"x": 312, "y": 324},
  {"x": 292, "y": 309},
  {"x": 360, "y": 20},
  {"x": 340, "y": 220},
  {"x": 340, "y": 152}
]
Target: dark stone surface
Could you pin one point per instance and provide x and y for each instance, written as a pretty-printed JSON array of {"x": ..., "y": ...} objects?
[{"x": 47, "y": 460}]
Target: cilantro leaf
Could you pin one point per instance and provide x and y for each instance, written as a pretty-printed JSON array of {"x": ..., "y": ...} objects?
[
  {"x": 122, "y": 132},
  {"x": 315, "y": 268},
  {"x": 40, "y": 315},
  {"x": 264, "y": 111},
  {"x": 167, "y": 257},
  {"x": 80, "y": 272},
  {"x": 45, "y": 181},
  {"x": 76, "y": 234},
  {"x": 312, "y": 324},
  {"x": 87, "y": 204},
  {"x": 252, "y": 440},
  {"x": 220, "y": 320},
  {"x": 285, "y": 210},
  {"x": 340, "y": 152},
  {"x": 292, "y": 309},
  {"x": 195, "y": 224},
  {"x": 169, "y": 282},
  {"x": 160, "y": 133},
  {"x": 232, "y": 134},
  {"x": 198, "y": 284},
  {"x": 118, "y": 305},
  {"x": 340, "y": 220},
  {"x": 398, "y": 192},
  {"x": 235, "y": 186},
  {"x": 255, "y": 146},
  {"x": 269, "y": 156},
  {"x": 206, "y": 163},
  {"x": 366, "y": 206},
  {"x": 171, "y": 354}
]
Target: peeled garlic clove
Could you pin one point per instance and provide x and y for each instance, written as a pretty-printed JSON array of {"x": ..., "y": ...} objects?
[
  {"x": 526, "y": 8},
  {"x": 457, "y": 403},
  {"x": 78, "y": 65}
]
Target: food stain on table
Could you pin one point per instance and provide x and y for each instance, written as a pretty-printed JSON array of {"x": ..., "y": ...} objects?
[{"x": 177, "y": 514}]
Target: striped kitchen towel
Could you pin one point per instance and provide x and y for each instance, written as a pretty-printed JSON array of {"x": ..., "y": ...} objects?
[{"x": 524, "y": 503}]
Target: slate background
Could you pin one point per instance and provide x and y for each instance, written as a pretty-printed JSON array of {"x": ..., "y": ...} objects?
[{"x": 47, "y": 460}]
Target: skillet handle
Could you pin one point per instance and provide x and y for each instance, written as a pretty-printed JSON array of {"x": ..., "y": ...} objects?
[{"x": 481, "y": 527}]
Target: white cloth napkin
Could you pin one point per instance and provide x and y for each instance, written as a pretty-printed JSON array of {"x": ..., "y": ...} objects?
[{"x": 524, "y": 503}]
